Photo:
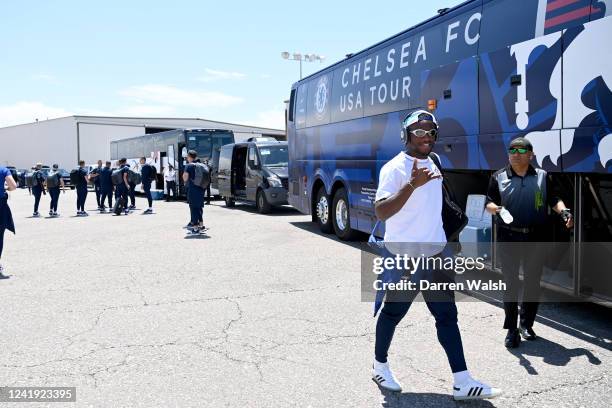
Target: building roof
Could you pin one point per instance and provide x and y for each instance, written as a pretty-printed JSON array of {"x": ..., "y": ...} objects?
[{"x": 169, "y": 123}]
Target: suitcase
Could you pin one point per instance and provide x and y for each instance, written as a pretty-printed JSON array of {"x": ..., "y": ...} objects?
[{"x": 119, "y": 206}]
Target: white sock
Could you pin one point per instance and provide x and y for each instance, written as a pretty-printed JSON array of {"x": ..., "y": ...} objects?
[
  {"x": 378, "y": 364},
  {"x": 461, "y": 377}
]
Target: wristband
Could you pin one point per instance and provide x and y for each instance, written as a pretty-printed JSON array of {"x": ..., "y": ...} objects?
[{"x": 413, "y": 187}]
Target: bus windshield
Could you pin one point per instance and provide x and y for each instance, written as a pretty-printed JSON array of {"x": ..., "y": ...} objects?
[
  {"x": 274, "y": 156},
  {"x": 201, "y": 143},
  {"x": 204, "y": 143}
]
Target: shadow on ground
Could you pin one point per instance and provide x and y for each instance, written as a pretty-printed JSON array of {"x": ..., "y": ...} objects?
[
  {"x": 284, "y": 210},
  {"x": 359, "y": 243},
  {"x": 391, "y": 399}
]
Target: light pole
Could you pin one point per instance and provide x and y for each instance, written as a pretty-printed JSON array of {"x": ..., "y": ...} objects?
[{"x": 296, "y": 56}]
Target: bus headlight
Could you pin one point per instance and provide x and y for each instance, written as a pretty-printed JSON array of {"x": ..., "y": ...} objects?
[{"x": 274, "y": 181}]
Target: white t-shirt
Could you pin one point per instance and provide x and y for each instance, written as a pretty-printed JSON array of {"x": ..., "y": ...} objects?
[
  {"x": 170, "y": 175},
  {"x": 420, "y": 219}
]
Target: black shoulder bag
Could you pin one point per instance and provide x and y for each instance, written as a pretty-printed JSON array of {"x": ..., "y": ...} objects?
[{"x": 453, "y": 217}]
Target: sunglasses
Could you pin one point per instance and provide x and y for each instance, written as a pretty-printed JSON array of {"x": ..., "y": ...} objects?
[
  {"x": 422, "y": 133},
  {"x": 520, "y": 150}
]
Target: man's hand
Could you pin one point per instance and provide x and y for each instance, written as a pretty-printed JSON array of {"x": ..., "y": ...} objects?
[
  {"x": 567, "y": 216},
  {"x": 421, "y": 176}
]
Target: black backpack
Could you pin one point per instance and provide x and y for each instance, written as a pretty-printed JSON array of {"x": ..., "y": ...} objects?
[
  {"x": 53, "y": 179},
  {"x": 202, "y": 175},
  {"x": 152, "y": 172},
  {"x": 76, "y": 178},
  {"x": 36, "y": 179},
  {"x": 453, "y": 217},
  {"x": 119, "y": 206},
  {"x": 134, "y": 177},
  {"x": 117, "y": 177}
]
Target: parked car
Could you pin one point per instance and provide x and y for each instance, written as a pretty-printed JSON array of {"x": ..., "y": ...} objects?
[
  {"x": 21, "y": 173},
  {"x": 14, "y": 173},
  {"x": 254, "y": 172}
]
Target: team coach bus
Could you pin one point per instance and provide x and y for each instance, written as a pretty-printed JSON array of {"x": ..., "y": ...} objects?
[
  {"x": 170, "y": 148},
  {"x": 491, "y": 70}
]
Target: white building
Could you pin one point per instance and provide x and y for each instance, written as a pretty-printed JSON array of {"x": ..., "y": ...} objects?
[{"x": 67, "y": 140}]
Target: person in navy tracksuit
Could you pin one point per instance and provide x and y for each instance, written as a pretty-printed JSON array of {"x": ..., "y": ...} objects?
[
  {"x": 6, "y": 218},
  {"x": 195, "y": 194},
  {"x": 81, "y": 189},
  {"x": 54, "y": 192},
  {"x": 95, "y": 175},
  {"x": 106, "y": 186},
  {"x": 38, "y": 187},
  {"x": 122, "y": 189},
  {"x": 147, "y": 173}
]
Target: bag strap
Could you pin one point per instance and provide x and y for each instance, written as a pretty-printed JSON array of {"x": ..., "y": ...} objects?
[
  {"x": 376, "y": 226},
  {"x": 436, "y": 160}
]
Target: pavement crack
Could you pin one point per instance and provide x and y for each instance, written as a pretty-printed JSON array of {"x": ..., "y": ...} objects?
[
  {"x": 560, "y": 386},
  {"x": 138, "y": 290}
]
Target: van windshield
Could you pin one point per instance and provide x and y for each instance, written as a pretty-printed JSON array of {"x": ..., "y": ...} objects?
[{"x": 274, "y": 156}]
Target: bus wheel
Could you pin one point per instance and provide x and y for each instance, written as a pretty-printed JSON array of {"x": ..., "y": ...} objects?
[
  {"x": 323, "y": 213},
  {"x": 229, "y": 202},
  {"x": 263, "y": 207},
  {"x": 342, "y": 219}
]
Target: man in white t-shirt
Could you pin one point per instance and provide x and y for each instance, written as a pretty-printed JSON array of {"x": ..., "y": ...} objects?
[
  {"x": 170, "y": 178},
  {"x": 409, "y": 201}
]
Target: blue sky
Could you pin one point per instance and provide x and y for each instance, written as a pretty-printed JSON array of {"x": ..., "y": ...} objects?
[{"x": 218, "y": 60}]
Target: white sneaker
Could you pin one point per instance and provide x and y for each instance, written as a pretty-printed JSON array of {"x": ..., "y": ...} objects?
[
  {"x": 473, "y": 389},
  {"x": 382, "y": 375}
]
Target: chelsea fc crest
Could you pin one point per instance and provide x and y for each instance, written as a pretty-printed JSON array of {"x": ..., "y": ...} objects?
[{"x": 321, "y": 96}]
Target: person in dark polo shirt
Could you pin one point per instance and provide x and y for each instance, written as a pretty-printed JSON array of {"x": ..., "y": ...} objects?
[
  {"x": 147, "y": 172},
  {"x": 106, "y": 186},
  {"x": 95, "y": 175},
  {"x": 519, "y": 195}
]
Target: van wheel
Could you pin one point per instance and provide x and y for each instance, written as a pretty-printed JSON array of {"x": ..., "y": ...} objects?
[
  {"x": 342, "y": 219},
  {"x": 229, "y": 202},
  {"x": 263, "y": 207},
  {"x": 322, "y": 212}
]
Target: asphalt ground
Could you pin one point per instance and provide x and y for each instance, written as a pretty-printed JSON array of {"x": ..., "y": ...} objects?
[{"x": 264, "y": 311}]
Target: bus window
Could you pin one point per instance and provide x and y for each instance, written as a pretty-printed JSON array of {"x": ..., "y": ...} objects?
[
  {"x": 300, "y": 106},
  {"x": 291, "y": 105},
  {"x": 201, "y": 143},
  {"x": 221, "y": 140}
]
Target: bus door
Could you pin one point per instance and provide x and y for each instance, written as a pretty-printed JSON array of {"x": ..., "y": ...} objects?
[{"x": 182, "y": 149}]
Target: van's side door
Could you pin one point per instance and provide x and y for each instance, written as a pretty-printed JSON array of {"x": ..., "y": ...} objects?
[
  {"x": 253, "y": 173},
  {"x": 224, "y": 173}
]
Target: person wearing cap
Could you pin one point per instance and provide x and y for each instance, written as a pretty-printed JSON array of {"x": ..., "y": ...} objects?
[
  {"x": 409, "y": 201},
  {"x": 519, "y": 193},
  {"x": 54, "y": 183}
]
